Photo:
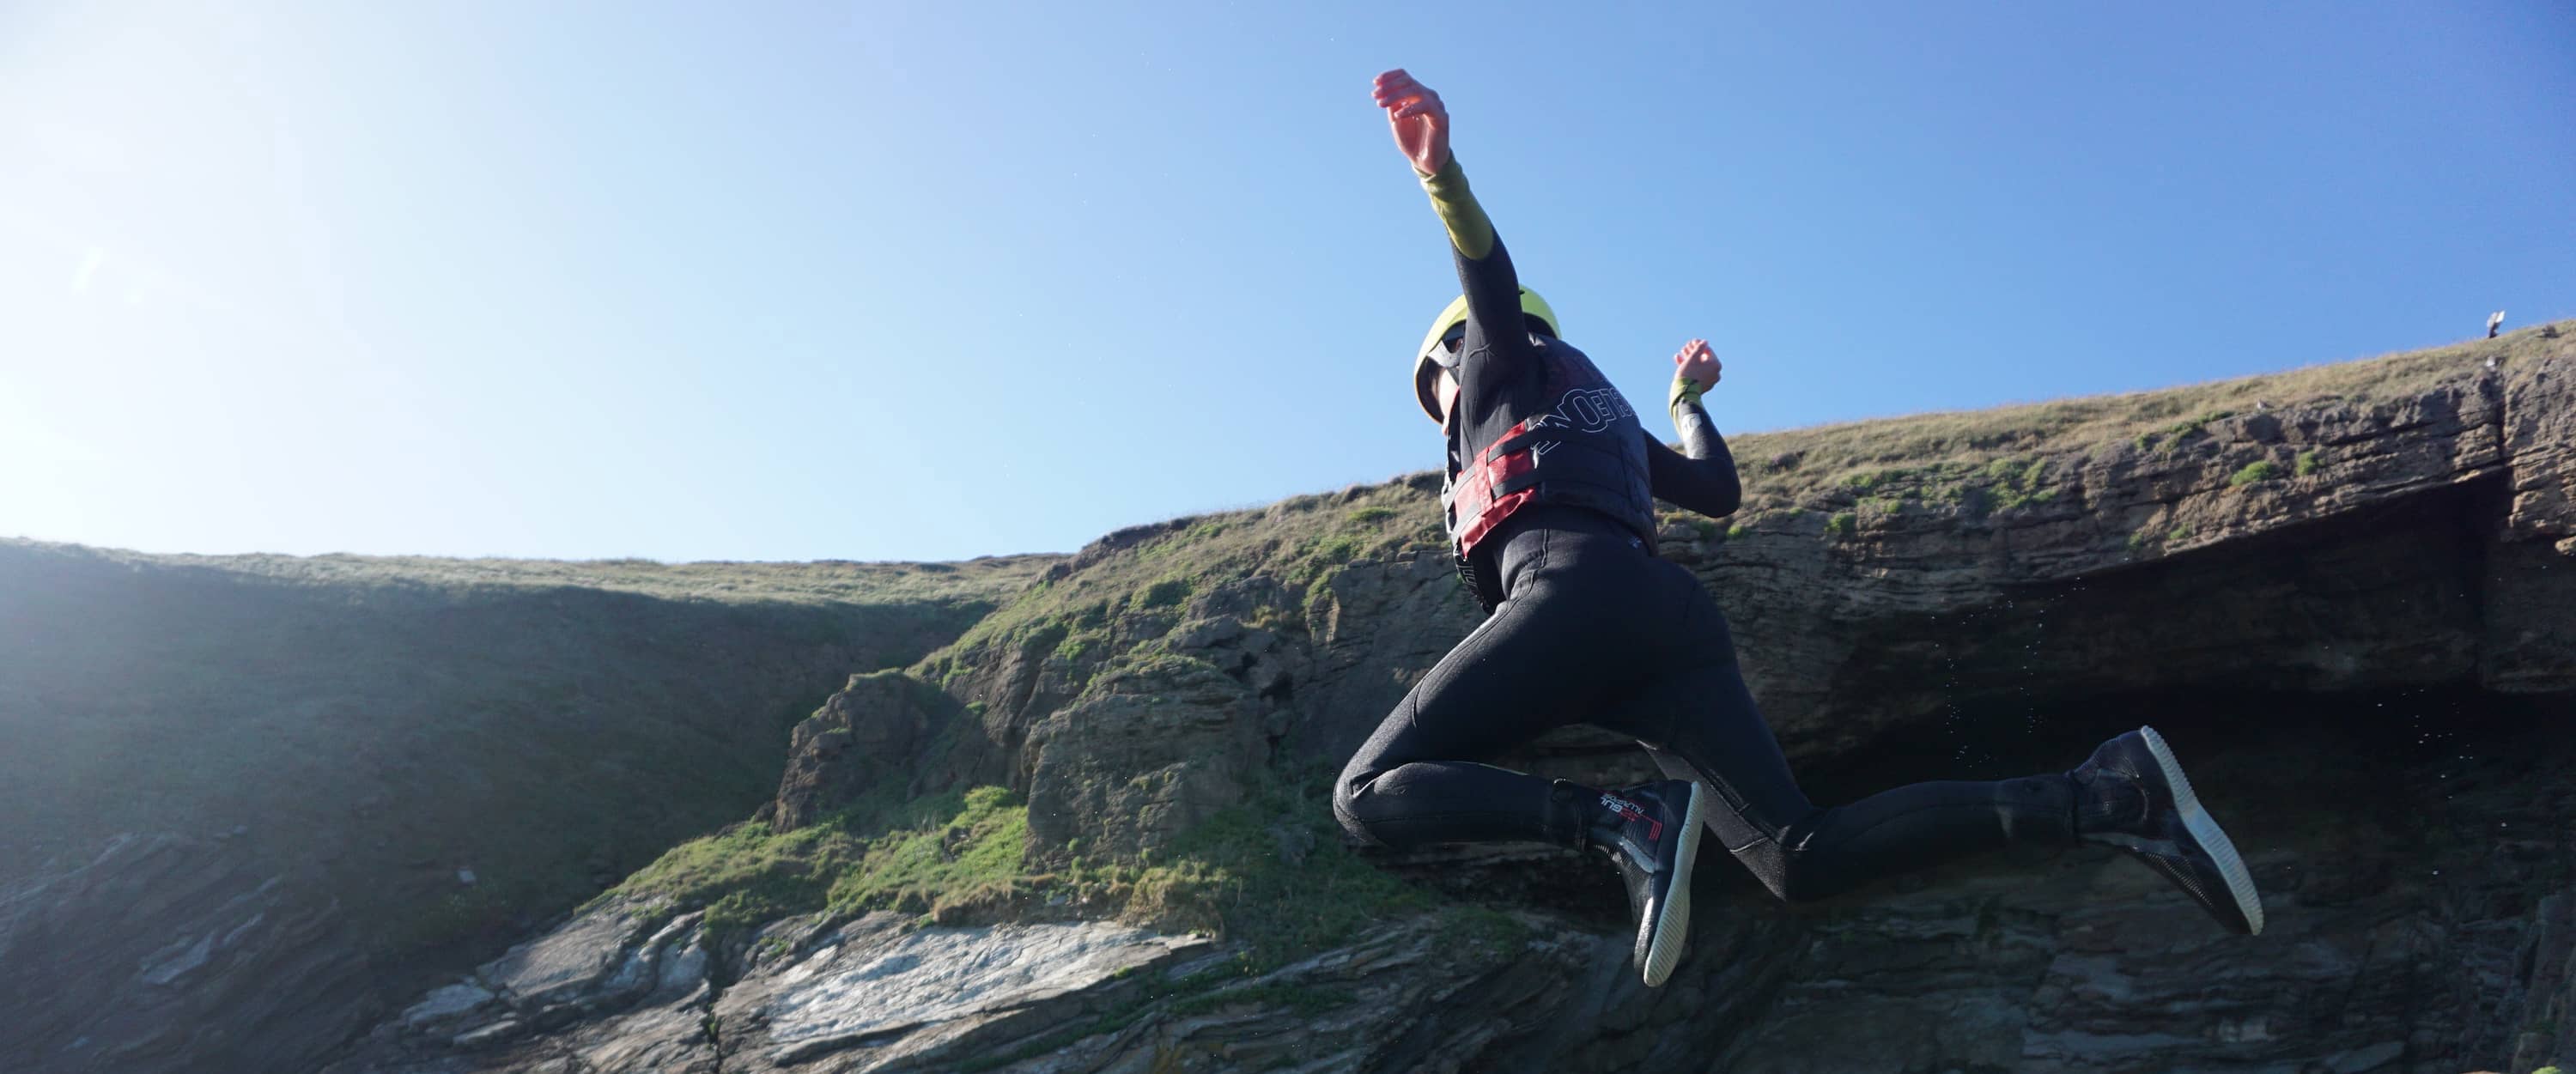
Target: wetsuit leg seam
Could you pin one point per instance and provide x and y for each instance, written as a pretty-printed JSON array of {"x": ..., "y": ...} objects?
[{"x": 1425, "y": 816}]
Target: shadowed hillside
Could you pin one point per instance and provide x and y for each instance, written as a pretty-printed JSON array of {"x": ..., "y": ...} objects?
[{"x": 342, "y": 739}]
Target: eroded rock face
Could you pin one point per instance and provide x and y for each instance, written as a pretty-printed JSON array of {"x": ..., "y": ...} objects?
[
  {"x": 872, "y": 732},
  {"x": 2337, "y": 643},
  {"x": 2410, "y": 929},
  {"x": 2418, "y": 547},
  {"x": 1143, "y": 757},
  {"x": 1375, "y": 630},
  {"x": 2540, "y": 438}
]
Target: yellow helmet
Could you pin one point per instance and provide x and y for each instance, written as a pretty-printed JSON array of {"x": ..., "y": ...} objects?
[{"x": 1434, "y": 356}]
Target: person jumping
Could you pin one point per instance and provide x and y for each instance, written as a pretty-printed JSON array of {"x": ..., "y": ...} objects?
[{"x": 1549, "y": 503}]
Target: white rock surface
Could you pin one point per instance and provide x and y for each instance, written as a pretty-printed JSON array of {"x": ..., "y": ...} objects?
[
  {"x": 451, "y": 1002},
  {"x": 566, "y": 962},
  {"x": 876, "y": 984}
]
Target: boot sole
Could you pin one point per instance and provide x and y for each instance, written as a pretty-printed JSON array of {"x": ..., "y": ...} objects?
[
  {"x": 2205, "y": 830},
  {"x": 1672, "y": 922}
]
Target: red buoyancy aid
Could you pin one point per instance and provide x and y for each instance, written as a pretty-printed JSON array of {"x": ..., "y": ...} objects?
[{"x": 1588, "y": 450}]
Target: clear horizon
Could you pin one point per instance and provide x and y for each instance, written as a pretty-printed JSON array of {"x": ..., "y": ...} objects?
[{"x": 874, "y": 282}]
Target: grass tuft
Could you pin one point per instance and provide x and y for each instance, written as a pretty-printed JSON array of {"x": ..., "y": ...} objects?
[
  {"x": 2263, "y": 470},
  {"x": 922, "y": 856},
  {"x": 1165, "y": 593}
]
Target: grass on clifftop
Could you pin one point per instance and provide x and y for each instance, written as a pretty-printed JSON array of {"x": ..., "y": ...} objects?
[
  {"x": 989, "y": 578},
  {"x": 1979, "y": 461},
  {"x": 1156, "y": 570},
  {"x": 1977, "y": 452}
]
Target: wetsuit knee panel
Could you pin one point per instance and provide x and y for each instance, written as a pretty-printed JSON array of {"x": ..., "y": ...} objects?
[
  {"x": 1346, "y": 787},
  {"x": 1346, "y": 805}
]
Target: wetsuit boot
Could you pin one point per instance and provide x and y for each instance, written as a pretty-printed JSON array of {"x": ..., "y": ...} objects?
[
  {"x": 2132, "y": 795},
  {"x": 1651, "y": 832}
]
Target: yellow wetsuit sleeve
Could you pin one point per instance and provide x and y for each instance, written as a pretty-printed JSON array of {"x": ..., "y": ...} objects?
[
  {"x": 1469, "y": 230},
  {"x": 1685, "y": 392}
]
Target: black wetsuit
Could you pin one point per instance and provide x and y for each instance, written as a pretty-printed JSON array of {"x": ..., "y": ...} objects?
[{"x": 1593, "y": 628}]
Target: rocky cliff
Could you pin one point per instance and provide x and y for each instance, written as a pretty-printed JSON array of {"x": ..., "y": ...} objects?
[
  {"x": 1090, "y": 835},
  {"x": 246, "y": 802}
]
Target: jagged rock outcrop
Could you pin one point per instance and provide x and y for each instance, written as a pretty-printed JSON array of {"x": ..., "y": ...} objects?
[
  {"x": 1374, "y": 628},
  {"x": 2346, "y": 600},
  {"x": 1143, "y": 756},
  {"x": 2409, "y": 931},
  {"x": 879, "y": 730}
]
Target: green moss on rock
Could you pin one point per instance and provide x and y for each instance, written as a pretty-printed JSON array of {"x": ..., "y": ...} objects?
[
  {"x": 922, "y": 855},
  {"x": 2263, "y": 470}
]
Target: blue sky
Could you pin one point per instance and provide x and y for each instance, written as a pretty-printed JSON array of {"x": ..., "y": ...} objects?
[{"x": 929, "y": 281}]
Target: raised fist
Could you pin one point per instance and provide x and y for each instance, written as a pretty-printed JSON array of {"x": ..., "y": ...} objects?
[
  {"x": 1696, "y": 362},
  {"x": 1420, "y": 121}
]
